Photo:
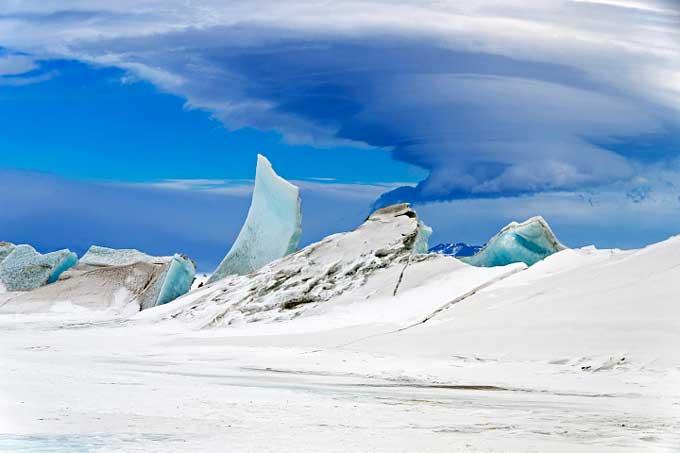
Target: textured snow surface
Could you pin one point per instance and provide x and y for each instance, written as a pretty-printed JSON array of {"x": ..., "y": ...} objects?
[
  {"x": 340, "y": 265},
  {"x": 527, "y": 242},
  {"x": 24, "y": 269},
  {"x": 105, "y": 256},
  {"x": 271, "y": 230},
  {"x": 406, "y": 352}
]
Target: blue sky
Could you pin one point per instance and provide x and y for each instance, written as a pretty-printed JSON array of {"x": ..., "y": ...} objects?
[{"x": 128, "y": 124}]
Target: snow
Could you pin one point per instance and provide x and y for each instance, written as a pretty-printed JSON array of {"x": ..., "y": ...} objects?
[
  {"x": 408, "y": 353},
  {"x": 271, "y": 230},
  {"x": 104, "y": 256},
  {"x": 527, "y": 242},
  {"x": 362, "y": 264},
  {"x": 24, "y": 269},
  {"x": 174, "y": 279}
]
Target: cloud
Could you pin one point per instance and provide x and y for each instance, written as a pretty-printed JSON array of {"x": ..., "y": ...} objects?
[
  {"x": 621, "y": 215},
  {"x": 492, "y": 98},
  {"x": 16, "y": 64}
]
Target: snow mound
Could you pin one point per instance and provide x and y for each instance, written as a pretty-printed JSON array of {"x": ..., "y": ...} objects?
[
  {"x": 271, "y": 230},
  {"x": 367, "y": 262},
  {"x": 527, "y": 242},
  {"x": 25, "y": 269}
]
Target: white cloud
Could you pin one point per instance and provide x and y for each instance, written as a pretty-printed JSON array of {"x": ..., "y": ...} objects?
[
  {"x": 550, "y": 80},
  {"x": 16, "y": 64}
]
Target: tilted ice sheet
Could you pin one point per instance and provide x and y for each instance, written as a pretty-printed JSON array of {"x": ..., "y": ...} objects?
[
  {"x": 527, "y": 242},
  {"x": 271, "y": 230},
  {"x": 24, "y": 269},
  {"x": 176, "y": 280}
]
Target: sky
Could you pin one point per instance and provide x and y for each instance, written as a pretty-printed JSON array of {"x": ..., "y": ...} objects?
[{"x": 136, "y": 123}]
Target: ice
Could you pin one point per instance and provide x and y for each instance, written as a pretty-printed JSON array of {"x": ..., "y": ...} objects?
[
  {"x": 271, "y": 230},
  {"x": 24, "y": 269},
  {"x": 178, "y": 275},
  {"x": 527, "y": 242},
  {"x": 424, "y": 233},
  {"x": 380, "y": 258},
  {"x": 5, "y": 249},
  {"x": 108, "y": 291},
  {"x": 576, "y": 353},
  {"x": 105, "y": 256},
  {"x": 176, "y": 272}
]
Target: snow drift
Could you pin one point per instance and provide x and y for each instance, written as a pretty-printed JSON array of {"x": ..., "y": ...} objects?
[{"x": 367, "y": 262}]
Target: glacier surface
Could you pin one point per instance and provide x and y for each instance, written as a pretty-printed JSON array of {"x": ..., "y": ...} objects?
[
  {"x": 271, "y": 230},
  {"x": 25, "y": 269},
  {"x": 527, "y": 242}
]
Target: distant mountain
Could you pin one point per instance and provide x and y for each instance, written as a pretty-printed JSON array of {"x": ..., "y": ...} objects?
[{"x": 457, "y": 249}]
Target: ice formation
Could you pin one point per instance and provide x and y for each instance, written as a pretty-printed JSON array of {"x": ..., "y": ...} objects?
[
  {"x": 175, "y": 281},
  {"x": 105, "y": 256},
  {"x": 24, "y": 269},
  {"x": 271, "y": 230},
  {"x": 424, "y": 233},
  {"x": 527, "y": 242},
  {"x": 112, "y": 283},
  {"x": 371, "y": 261},
  {"x": 174, "y": 277}
]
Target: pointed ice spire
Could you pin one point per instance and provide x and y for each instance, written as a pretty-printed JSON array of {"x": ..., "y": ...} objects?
[
  {"x": 271, "y": 230},
  {"x": 527, "y": 242}
]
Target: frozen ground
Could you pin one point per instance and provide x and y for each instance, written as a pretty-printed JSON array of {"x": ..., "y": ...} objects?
[{"x": 577, "y": 353}]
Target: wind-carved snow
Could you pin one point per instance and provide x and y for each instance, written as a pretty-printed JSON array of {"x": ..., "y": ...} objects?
[
  {"x": 527, "y": 242},
  {"x": 271, "y": 230},
  {"x": 25, "y": 269},
  {"x": 339, "y": 265}
]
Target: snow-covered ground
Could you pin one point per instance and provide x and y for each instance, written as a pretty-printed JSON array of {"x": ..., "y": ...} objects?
[{"x": 579, "y": 352}]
